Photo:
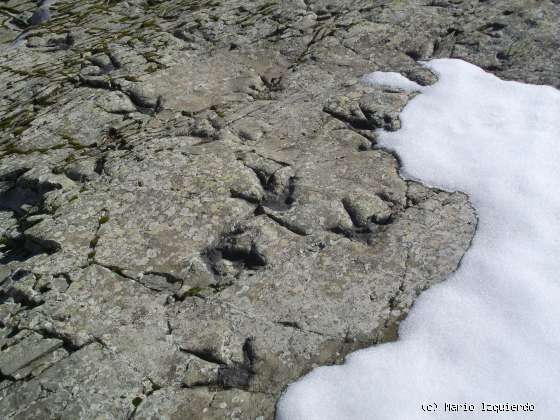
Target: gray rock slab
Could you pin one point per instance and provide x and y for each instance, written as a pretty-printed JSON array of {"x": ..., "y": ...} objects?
[
  {"x": 193, "y": 209},
  {"x": 25, "y": 352}
]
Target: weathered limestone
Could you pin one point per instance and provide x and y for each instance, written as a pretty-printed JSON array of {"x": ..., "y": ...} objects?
[{"x": 193, "y": 212}]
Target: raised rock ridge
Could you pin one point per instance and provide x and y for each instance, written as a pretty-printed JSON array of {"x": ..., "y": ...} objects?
[{"x": 193, "y": 212}]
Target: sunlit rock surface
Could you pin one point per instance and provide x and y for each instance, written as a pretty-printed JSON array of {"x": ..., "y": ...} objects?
[{"x": 193, "y": 210}]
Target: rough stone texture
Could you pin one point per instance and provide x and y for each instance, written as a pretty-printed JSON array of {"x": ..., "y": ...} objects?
[{"x": 193, "y": 212}]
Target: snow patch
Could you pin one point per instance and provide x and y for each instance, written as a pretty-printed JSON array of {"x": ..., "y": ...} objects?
[
  {"x": 392, "y": 79},
  {"x": 490, "y": 333}
]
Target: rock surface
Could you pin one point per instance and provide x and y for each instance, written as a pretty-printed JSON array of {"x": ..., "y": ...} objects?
[{"x": 193, "y": 212}]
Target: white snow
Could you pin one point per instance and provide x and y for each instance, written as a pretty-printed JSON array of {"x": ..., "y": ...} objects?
[
  {"x": 391, "y": 79},
  {"x": 490, "y": 333}
]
